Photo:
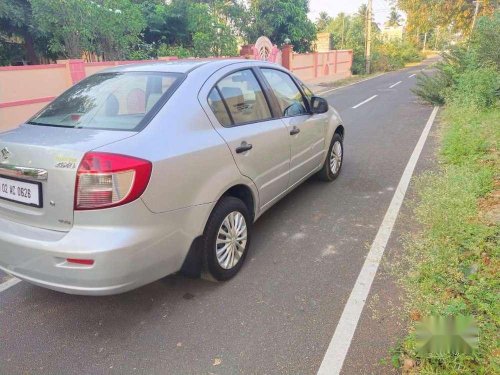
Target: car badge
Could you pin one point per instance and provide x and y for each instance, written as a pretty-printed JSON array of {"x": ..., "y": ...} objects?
[{"x": 5, "y": 154}]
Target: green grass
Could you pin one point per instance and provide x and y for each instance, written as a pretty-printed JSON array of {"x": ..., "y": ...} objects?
[{"x": 452, "y": 264}]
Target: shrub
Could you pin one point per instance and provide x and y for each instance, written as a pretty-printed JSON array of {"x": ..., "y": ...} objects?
[
  {"x": 394, "y": 55},
  {"x": 141, "y": 51},
  {"x": 433, "y": 88},
  {"x": 173, "y": 50},
  {"x": 477, "y": 88},
  {"x": 468, "y": 75},
  {"x": 485, "y": 38}
]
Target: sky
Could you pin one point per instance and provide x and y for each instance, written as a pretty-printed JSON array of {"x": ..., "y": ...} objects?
[{"x": 381, "y": 8}]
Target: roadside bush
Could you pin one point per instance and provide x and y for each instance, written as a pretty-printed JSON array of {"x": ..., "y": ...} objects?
[
  {"x": 468, "y": 74},
  {"x": 477, "y": 89},
  {"x": 432, "y": 89},
  {"x": 394, "y": 55},
  {"x": 173, "y": 50},
  {"x": 486, "y": 39},
  {"x": 142, "y": 51}
]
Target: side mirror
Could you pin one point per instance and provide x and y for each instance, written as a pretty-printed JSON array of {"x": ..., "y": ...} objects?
[{"x": 319, "y": 105}]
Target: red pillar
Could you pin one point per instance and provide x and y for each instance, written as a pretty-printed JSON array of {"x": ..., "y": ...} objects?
[
  {"x": 315, "y": 59},
  {"x": 76, "y": 70},
  {"x": 287, "y": 56},
  {"x": 336, "y": 61}
]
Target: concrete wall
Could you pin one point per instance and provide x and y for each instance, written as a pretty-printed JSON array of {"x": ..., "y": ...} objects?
[
  {"x": 319, "y": 66},
  {"x": 24, "y": 90}
]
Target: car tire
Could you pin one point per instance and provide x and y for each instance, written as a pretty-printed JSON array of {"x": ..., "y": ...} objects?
[
  {"x": 224, "y": 248},
  {"x": 329, "y": 171}
]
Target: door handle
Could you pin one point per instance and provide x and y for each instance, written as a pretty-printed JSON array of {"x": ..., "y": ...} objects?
[
  {"x": 244, "y": 147},
  {"x": 294, "y": 131}
]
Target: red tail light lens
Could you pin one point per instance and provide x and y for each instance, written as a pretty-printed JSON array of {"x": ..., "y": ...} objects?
[
  {"x": 107, "y": 180},
  {"x": 85, "y": 262}
]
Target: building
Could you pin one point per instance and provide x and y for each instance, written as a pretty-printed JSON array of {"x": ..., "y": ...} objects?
[{"x": 392, "y": 33}]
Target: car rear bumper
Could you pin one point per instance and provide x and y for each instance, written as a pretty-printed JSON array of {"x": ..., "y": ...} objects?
[{"x": 139, "y": 248}]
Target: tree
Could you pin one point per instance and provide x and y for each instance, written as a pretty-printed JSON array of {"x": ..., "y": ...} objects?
[
  {"x": 211, "y": 33},
  {"x": 280, "y": 20},
  {"x": 108, "y": 28},
  {"x": 349, "y": 31},
  {"x": 17, "y": 29},
  {"x": 425, "y": 15},
  {"x": 394, "y": 18},
  {"x": 338, "y": 28},
  {"x": 322, "y": 22},
  {"x": 194, "y": 28}
]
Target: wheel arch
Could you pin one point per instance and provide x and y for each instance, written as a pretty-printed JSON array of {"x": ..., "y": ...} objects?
[
  {"x": 245, "y": 194},
  {"x": 340, "y": 130},
  {"x": 192, "y": 265}
]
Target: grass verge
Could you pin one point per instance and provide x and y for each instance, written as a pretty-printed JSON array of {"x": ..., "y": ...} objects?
[{"x": 452, "y": 263}]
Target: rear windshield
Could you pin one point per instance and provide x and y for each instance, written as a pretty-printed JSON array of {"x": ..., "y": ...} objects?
[{"x": 111, "y": 101}]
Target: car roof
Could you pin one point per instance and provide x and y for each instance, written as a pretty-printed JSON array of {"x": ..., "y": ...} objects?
[{"x": 177, "y": 66}]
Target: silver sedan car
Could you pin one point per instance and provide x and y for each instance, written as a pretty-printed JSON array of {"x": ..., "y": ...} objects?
[{"x": 145, "y": 170}]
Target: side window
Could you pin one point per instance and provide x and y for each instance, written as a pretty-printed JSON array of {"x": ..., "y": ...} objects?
[
  {"x": 242, "y": 96},
  {"x": 290, "y": 98},
  {"x": 218, "y": 107}
]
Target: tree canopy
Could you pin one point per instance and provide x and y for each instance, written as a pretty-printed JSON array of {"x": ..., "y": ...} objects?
[
  {"x": 280, "y": 20},
  {"x": 34, "y": 30},
  {"x": 424, "y": 15}
]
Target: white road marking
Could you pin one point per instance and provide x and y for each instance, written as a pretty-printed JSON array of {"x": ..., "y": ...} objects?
[
  {"x": 413, "y": 75},
  {"x": 341, "y": 340},
  {"x": 394, "y": 85},
  {"x": 364, "y": 102},
  {"x": 351, "y": 84},
  {"x": 9, "y": 283}
]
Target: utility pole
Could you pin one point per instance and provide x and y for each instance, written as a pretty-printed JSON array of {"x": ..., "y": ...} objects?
[
  {"x": 368, "y": 37},
  {"x": 343, "y": 28},
  {"x": 476, "y": 11}
]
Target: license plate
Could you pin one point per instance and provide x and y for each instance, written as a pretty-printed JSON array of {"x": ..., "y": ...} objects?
[{"x": 19, "y": 191}]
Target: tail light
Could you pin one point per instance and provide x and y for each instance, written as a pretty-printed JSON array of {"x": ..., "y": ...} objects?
[{"x": 108, "y": 180}]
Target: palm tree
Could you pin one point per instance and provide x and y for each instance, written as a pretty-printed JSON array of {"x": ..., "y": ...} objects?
[
  {"x": 394, "y": 18},
  {"x": 322, "y": 21},
  {"x": 362, "y": 10}
]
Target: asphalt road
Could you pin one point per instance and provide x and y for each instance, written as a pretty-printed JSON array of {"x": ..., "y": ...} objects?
[{"x": 279, "y": 314}]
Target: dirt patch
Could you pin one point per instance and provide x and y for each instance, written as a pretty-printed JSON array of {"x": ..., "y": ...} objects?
[{"x": 490, "y": 206}]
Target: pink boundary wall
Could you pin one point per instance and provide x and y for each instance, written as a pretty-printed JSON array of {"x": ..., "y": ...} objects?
[
  {"x": 318, "y": 66},
  {"x": 24, "y": 90}
]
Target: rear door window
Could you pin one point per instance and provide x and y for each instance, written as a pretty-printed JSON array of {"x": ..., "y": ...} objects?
[
  {"x": 238, "y": 99},
  {"x": 114, "y": 101}
]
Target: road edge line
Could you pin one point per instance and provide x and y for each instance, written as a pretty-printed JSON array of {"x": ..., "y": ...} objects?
[
  {"x": 341, "y": 341},
  {"x": 9, "y": 283}
]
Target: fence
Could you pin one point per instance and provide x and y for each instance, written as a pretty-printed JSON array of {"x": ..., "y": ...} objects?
[{"x": 24, "y": 90}]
